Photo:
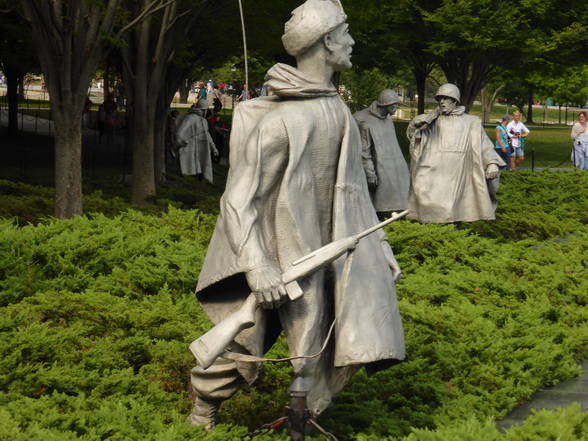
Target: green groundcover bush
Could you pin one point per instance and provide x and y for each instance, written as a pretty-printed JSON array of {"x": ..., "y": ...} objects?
[{"x": 96, "y": 314}]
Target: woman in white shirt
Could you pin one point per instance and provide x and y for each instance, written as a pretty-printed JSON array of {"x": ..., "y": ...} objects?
[{"x": 580, "y": 137}]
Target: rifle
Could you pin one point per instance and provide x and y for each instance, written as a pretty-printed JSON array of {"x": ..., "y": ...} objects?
[{"x": 211, "y": 345}]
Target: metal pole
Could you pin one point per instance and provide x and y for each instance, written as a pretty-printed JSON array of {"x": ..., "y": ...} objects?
[
  {"x": 244, "y": 45},
  {"x": 533, "y": 160},
  {"x": 298, "y": 414}
]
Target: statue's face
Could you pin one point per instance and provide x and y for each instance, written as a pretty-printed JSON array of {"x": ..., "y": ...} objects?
[
  {"x": 446, "y": 104},
  {"x": 392, "y": 108},
  {"x": 339, "y": 45}
]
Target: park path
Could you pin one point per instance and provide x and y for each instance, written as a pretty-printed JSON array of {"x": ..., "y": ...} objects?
[{"x": 562, "y": 395}]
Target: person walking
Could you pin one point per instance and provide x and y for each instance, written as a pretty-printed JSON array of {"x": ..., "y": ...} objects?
[
  {"x": 580, "y": 137},
  {"x": 517, "y": 132},
  {"x": 502, "y": 145},
  {"x": 244, "y": 94},
  {"x": 216, "y": 99}
]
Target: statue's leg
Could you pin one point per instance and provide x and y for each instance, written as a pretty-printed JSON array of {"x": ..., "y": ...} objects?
[
  {"x": 212, "y": 386},
  {"x": 306, "y": 322},
  {"x": 222, "y": 380}
]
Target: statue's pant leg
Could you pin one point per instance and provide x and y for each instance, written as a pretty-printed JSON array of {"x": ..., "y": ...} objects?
[
  {"x": 305, "y": 323},
  {"x": 211, "y": 387},
  {"x": 217, "y": 383}
]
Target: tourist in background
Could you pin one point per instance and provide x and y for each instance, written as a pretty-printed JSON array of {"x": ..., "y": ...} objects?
[
  {"x": 580, "y": 137},
  {"x": 502, "y": 145},
  {"x": 517, "y": 132},
  {"x": 244, "y": 94},
  {"x": 216, "y": 99}
]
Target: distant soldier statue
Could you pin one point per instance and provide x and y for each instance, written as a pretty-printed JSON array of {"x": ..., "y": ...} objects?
[
  {"x": 385, "y": 168},
  {"x": 194, "y": 144},
  {"x": 296, "y": 183},
  {"x": 454, "y": 168}
]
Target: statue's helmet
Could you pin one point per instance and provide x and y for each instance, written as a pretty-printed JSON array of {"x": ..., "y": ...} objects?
[
  {"x": 449, "y": 90},
  {"x": 310, "y": 22},
  {"x": 199, "y": 108},
  {"x": 202, "y": 104},
  {"x": 387, "y": 97}
]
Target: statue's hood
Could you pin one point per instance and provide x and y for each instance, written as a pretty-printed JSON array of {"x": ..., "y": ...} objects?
[{"x": 285, "y": 80}]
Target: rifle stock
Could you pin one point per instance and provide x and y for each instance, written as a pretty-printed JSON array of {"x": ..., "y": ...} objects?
[{"x": 211, "y": 345}]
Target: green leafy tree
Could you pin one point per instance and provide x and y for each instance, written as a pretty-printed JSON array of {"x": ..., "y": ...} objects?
[
  {"x": 72, "y": 38},
  {"x": 148, "y": 54},
  {"x": 472, "y": 41}
]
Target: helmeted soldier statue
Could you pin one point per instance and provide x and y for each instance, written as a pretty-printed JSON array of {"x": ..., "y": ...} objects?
[
  {"x": 454, "y": 168},
  {"x": 383, "y": 162}
]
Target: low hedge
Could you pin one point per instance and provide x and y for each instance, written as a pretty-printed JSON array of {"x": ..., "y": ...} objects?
[{"x": 96, "y": 314}]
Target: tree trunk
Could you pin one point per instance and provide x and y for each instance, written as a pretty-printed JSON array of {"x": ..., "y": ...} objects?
[
  {"x": 143, "y": 169},
  {"x": 21, "y": 91},
  {"x": 530, "y": 105},
  {"x": 68, "y": 163},
  {"x": 421, "y": 90},
  {"x": 159, "y": 149},
  {"x": 13, "y": 76},
  {"x": 485, "y": 106},
  {"x": 184, "y": 91},
  {"x": 106, "y": 89}
]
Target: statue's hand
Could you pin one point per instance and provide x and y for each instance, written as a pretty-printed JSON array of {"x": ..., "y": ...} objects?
[
  {"x": 372, "y": 183},
  {"x": 392, "y": 263},
  {"x": 419, "y": 120},
  {"x": 267, "y": 286},
  {"x": 492, "y": 171}
]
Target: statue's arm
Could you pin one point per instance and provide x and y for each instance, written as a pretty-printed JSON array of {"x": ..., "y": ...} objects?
[
  {"x": 492, "y": 160},
  {"x": 253, "y": 183},
  {"x": 417, "y": 124},
  {"x": 367, "y": 146},
  {"x": 211, "y": 145},
  {"x": 180, "y": 133}
]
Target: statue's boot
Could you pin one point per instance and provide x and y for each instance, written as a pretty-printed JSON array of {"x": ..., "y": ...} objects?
[{"x": 204, "y": 413}]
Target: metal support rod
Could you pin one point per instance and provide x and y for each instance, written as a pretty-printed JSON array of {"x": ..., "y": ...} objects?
[
  {"x": 244, "y": 46},
  {"x": 298, "y": 414}
]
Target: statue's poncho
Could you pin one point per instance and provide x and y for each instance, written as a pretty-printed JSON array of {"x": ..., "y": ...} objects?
[
  {"x": 196, "y": 145},
  {"x": 296, "y": 183},
  {"x": 449, "y": 156},
  {"x": 383, "y": 158}
]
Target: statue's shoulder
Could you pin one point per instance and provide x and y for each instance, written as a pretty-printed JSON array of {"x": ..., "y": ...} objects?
[
  {"x": 361, "y": 115},
  {"x": 472, "y": 118}
]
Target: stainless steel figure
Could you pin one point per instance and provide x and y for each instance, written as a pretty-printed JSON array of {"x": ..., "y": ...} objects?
[
  {"x": 454, "y": 168},
  {"x": 211, "y": 345},
  {"x": 296, "y": 184},
  {"x": 384, "y": 165}
]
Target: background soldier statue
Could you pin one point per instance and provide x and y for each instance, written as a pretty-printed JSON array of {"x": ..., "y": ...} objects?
[
  {"x": 194, "y": 144},
  {"x": 384, "y": 165},
  {"x": 454, "y": 168},
  {"x": 297, "y": 183}
]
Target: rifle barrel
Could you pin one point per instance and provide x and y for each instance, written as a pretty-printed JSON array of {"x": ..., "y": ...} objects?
[{"x": 394, "y": 217}]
